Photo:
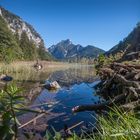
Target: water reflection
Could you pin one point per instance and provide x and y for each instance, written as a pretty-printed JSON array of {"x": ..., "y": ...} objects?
[
  {"x": 75, "y": 73},
  {"x": 72, "y": 76},
  {"x": 76, "y": 90},
  {"x": 76, "y": 95}
]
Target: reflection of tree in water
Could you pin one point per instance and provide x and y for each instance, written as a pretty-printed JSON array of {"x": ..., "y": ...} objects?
[
  {"x": 30, "y": 76},
  {"x": 72, "y": 76},
  {"x": 62, "y": 101},
  {"x": 65, "y": 77}
]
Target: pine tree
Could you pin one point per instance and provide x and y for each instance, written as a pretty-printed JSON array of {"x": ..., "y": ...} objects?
[
  {"x": 9, "y": 49},
  {"x": 42, "y": 53},
  {"x": 28, "y": 47},
  {"x": 13, "y": 47}
]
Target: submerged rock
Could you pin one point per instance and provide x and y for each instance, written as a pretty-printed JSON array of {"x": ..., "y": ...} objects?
[
  {"x": 52, "y": 85},
  {"x": 6, "y": 78}
]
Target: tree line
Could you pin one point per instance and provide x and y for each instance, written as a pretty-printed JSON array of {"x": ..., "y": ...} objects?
[{"x": 13, "y": 47}]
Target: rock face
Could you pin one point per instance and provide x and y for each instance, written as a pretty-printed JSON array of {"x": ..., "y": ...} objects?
[
  {"x": 16, "y": 24},
  {"x": 67, "y": 50},
  {"x": 130, "y": 44}
]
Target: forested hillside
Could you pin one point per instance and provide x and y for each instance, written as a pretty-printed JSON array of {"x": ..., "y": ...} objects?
[
  {"x": 17, "y": 43},
  {"x": 129, "y": 46}
]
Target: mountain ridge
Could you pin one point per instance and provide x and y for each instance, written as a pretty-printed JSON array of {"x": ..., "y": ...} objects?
[
  {"x": 20, "y": 30},
  {"x": 130, "y": 44},
  {"x": 65, "y": 49},
  {"x": 17, "y": 24}
]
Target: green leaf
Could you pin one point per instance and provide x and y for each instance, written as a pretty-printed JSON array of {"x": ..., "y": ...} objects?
[{"x": 17, "y": 121}]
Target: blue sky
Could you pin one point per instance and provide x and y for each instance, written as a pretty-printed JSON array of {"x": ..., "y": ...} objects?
[{"x": 102, "y": 23}]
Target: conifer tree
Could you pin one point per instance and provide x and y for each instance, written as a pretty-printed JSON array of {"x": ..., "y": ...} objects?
[
  {"x": 9, "y": 49},
  {"x": 28, "y": 47},
  {"x": 42, "y": 53}
]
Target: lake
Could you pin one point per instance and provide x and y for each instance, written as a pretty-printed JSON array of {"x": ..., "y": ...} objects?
[{"x": 77, "y": 88}]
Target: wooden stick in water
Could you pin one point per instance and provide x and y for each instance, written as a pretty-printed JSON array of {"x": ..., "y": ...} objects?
[
  {"x": 75, "y": 125},
  {"x": 33, "y": 120}
]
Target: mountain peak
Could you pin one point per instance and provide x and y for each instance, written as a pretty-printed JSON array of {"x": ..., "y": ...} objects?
[
  {"x": 65, "y": 49},
  {"x": 16, "y": 24},
  {"x": 67, "y": 41},
  {"x": 17, "y": 29}
]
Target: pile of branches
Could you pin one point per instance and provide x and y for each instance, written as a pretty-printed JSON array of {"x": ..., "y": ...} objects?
[{"x": 120, "y": 86}]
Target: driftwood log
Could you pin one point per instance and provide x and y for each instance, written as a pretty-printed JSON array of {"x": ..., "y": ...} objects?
[
  {"x": 101, "y": 106},
  {"x": 120, "y": 85}
]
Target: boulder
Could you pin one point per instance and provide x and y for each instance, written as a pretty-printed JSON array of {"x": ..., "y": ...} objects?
[{"x": 52, "y": 85}]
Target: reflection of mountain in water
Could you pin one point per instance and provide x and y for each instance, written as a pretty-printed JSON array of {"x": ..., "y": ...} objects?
[
  {"x": 73, "y": 76},
  {"x": 59, "y": 103}
]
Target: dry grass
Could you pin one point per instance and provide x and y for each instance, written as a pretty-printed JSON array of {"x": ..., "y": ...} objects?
[
  {"x": 25, "y": 66},
  {"x": 24, "y": 70}
]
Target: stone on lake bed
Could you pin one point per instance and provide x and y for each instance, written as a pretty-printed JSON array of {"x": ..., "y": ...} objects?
[
  {"x": 52, "y": 85},
  {"x": 50, "y": 105},
  {"x": 6, "y": 78}
]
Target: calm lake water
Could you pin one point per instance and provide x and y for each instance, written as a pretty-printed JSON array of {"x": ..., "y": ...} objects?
[{"x": 77, "y": 88}]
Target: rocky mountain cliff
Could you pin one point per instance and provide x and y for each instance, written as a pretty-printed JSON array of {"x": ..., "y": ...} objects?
[
  {"x": 130, "y": 45},
  {"x": 27, "y": 40},
  {"x": 67, "y": 50},
  {"x": 16, "y": 24}
]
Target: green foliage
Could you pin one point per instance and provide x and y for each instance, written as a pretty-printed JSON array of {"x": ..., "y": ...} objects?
[
  {"x": 9, "y": 49},
  {"x": 101, "y": 59},
  {"x": 58, "y": 136},
  {"x": 100, "y": 62},
  {"x": 10, "y": 103},
  {"x": 28, "y": 48},
  {"x": 42, "y": 54},
  {"x": 13, "y": 47},
  {"x": 119, "y": 125},
  {"x": 11, "y": 106}
]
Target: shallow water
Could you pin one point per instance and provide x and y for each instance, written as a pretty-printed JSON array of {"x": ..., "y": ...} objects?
[
  {"x": 76, "y": 89},
  {"x": 63, "y": 100}
]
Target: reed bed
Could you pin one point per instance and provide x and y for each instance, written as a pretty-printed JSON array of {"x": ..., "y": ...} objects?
[{"x": 24, "y": 70}]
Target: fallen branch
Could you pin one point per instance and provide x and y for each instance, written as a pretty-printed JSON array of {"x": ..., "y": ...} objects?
[
  {"x": 121, "y": 79},
  {"x": 34, "y": 119},
  {"x": 126, "y": 66},
  {"x": 130, "y": 75},
  {"x": 137, "y": 76},
  {"x": 117, "y": 78},
  {"x": 75, "y": 125},
  {"x": 130, "y": 106},
  {"x": 101, "y": 106}
]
